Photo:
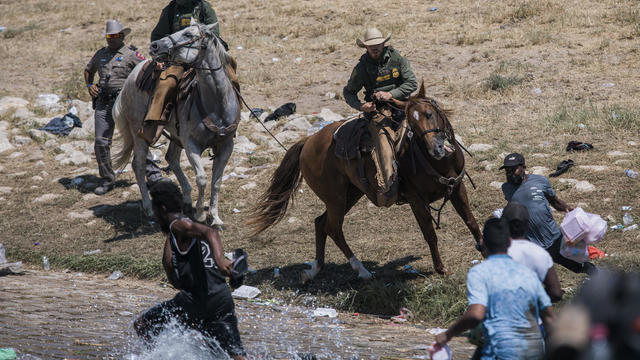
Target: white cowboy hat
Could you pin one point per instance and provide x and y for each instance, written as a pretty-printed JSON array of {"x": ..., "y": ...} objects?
[
  {"x": 372, "y": 36},
  {"x": 114, "y": 27}
]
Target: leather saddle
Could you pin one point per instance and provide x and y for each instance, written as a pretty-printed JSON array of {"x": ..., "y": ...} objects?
[
  {"x": 148, "y": 76},
  {"x": 351, "y": 137}
]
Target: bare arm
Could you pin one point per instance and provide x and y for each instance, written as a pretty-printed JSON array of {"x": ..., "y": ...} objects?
[
  {"x": 168, "y": 264},
  {"x": 191, "y": 229},
  {"x": 470, "y": 319},
  {"x": 552, "y": 285},
  {"x": 548, "y": 316},
  {"x": 559, "y": 204},
  {"x": 88, "y": 79}
]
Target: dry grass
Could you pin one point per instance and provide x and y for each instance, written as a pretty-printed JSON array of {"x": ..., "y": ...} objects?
[{"x": 567, "y": 49}]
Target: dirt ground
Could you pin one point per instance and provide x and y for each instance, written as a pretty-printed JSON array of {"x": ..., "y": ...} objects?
[{"x": 526, "y": 76}]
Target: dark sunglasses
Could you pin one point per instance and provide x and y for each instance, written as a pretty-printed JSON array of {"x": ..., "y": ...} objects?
[{"x": 114, "y": 36}]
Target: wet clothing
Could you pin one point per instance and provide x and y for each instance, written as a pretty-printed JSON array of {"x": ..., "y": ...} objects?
[
  {"x": 391, "y": 73},
  {"x": 513, "y": 298},
  {"x": 534, "y": 193},
  {"x": 176, "y": 17},
  {"x": 204, "y": 301},
  {"x": 113, "y": 68}
]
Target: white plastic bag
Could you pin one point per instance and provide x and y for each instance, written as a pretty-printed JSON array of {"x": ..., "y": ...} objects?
[
  {"x": 579, "y": 225},
  {"x": 578, "y": 252}
]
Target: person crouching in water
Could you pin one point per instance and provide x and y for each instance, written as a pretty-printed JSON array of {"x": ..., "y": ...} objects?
[{"x": 194, "y": 262}]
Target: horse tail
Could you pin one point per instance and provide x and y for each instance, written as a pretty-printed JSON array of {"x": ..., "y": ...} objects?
[
  {"x": 272, "y": 204},
  {"x": 121, "y": 158}
]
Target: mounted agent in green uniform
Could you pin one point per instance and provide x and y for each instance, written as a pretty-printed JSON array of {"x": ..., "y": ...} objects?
[{"x": 384, "y": 74}]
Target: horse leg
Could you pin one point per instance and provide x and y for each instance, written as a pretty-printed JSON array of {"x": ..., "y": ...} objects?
[
  {"x": 461, "y": 204},
  {"x": 330, "y": 223},
  {"x": 223, "y": 153},
  {"x": 139, "y": 168},
  {"x": 173, "y": 159},
  {"x": 193, "y": 152},
  {"x": 425, "y": 221}
]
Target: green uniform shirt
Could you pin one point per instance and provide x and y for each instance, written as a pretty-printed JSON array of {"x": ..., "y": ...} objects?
[
  {"x": 175, "y": 18},
  {"x": 392, "y": 73},
  {"x": 113, "y": 67}
]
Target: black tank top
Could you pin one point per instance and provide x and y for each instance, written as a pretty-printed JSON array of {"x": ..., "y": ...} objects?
[{"x": 195, "y": 268}]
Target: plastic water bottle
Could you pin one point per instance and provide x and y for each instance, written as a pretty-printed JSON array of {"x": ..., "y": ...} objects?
[
  {"x": 3, "y": 259},
  {"x": 626, "y": 208},
  {"x": 632, "y": 174},
  {"x": 632, "y": 227},
  {"x": 45, "y": 263},
  {"x": 627, "y": 219},
  {"x": 276, "y": 273}
]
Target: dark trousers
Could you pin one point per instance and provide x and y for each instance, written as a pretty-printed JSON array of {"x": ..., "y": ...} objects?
[
  {"x": 554, "y": 251},
  {"x": 104, "y": 127}
]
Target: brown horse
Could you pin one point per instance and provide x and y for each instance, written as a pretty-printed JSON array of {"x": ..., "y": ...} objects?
[{"x": 429, "y": 170}]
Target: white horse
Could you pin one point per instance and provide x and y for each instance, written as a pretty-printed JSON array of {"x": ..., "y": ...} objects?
[{"x": 216, "y": 100}]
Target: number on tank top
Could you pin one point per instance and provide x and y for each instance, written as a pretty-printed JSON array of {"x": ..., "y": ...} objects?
[{"x": 207, "y": 259}]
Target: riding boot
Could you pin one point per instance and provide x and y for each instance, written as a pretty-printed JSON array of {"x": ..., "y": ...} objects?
[{"x": 152, "y": 129}]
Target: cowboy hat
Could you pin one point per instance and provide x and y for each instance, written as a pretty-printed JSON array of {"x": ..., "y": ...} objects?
[
  {"x": 114, "y": 27},
  {"x": 372, "y": 36}
]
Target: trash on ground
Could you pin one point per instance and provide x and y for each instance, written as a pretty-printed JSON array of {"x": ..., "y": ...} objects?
[
  {"x": 595, "y": 253},
  {"x": 410, "y": 270},
  {"x": 276, "y": 272},
  {"x": 582, "y": 126},
  {"x": 536, "y": 91},
  {"x": 257, "y": 112},
  {"x": 578, "y": 145},
  {"x": 115, "y": 275},
  {"x": 8, "y": 354},
  {"x": 317, "y": 127},
  {"x": 631, "y": 174},
  {"x": 405, "y": 314},
  {"x": 617, "y": 227},
  {"x": 235, "y": 210},
  {"x": 632, "y": 227},
  {"x": 62, "y": 125},
  {"x": 45, "y": 263},
  {"x": 475, "y": 261},
  {"x": 246, "y": 292},
  {"x": 627, "y": 219},
  {"x": 433, "y": 9},
  {"x": 239, "y": 47},
  {"x": 436, "y": 331},
  {"x": 498, "y": 213},
  {"x": 627, "y": 208},
  {"x": 3, "y": 258},
  {"x": 284, "y": 110},
  {"x": 232, "y": 175},
  {"x": 320, "y": 312},
  {"x": 275, "y": 59},
  {"x": 92, "y": 252},
  {"x": 330, "y": 95},
  {"x": 562, "y": 168}
]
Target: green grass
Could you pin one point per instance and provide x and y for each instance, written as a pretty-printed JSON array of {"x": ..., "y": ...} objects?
[
  {"x": 606, "y": 118},
  {"x": 501, "y": 83},
  {"x": 13, "y": 32}
]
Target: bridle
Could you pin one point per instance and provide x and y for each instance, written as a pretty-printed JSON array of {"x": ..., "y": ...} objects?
[
  {"x": 440, "y": 128},
  {"x": 189, "y": 44}
]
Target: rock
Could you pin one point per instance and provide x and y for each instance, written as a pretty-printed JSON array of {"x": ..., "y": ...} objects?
[
  {"x": 5, "y": 189},
  {"x": 39, "y": 135},
  {"x": 89, "y": 196},
  {"x": 248, "y": 186},
  {"x": 36, "y": 178},
  {"x": 597, "y": 168},
  {"x": 288, "y": 136},
  {"x": 23, "y": 114},
  {"x": 584, "y": 186},
  {"x": 622, "y": 162},
  {"x": 243, "y": 145},
  {"x": 488, "y": 166},
  {"x": 260, "y": 138},
  {"x": 36, "y": 156},
  {"x": 44, "y": 174},
  {"x": 21, "y": 140},
  {"x": 328, "y": 115},
  {"x": 539, "y": 155},
  {"x": 496, "y": 184},
  {"x": 48, "y": 102},
  {"x": 15, "y": 155},
  {"x": 46, "y": 198},
  {"x": 74, "y": 158},
  {"x": 617, "y": 153},
  {"x": 41, "y": 121},
  {"x": 539, "y": 170},
  {"x": 480, "y": 147},
  {"x": 568, "y": 181},
  {"x": 5, "y": 145},
  {"x": 632, "y": 143},
  {"x": 17, "y": 175},
  {"x": 50, "y": 144},
  {"x": 9, "y": 103},
  {"x": 125, "y": 194},
  {"x": 299, "y": 123}
]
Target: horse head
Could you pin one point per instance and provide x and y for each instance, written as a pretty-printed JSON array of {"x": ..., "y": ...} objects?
[
  {"x": 428, "y": 122},
  {"x": 185, "y": 47}
]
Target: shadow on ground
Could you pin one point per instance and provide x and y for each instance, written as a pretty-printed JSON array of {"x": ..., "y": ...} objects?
[{"x": 128, "y": 220}]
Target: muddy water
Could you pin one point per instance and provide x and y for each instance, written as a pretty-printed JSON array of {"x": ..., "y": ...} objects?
[{"x": 52, "y": 315}]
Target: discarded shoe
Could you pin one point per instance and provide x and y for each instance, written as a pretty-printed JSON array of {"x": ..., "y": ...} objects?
[
  {"x": 104, "y": 188},
  {"x": 578, "y": 146},
  {"x": 284, "y": 110},
  {"x": 562, "y": 168}
]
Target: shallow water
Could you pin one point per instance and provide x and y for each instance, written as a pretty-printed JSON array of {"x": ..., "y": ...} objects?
[{"x": 51, "y": 315}]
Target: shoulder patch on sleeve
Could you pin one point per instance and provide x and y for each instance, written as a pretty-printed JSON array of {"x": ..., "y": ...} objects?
[{"x": 140, "y": 56}]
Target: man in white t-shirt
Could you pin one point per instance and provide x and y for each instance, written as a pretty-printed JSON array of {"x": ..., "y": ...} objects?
[{"x": 528, "y": 253}]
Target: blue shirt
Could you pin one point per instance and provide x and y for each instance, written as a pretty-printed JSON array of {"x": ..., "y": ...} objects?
[
  {"x": 533, "y": 194},
  {"x": 513, "y": 298}
]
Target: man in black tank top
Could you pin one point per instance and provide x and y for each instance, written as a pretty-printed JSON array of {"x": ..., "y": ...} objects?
[{"x": 195, "y": 264}]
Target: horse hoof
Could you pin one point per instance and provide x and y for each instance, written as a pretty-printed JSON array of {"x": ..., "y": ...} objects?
[{"x": 443, "y": 271}]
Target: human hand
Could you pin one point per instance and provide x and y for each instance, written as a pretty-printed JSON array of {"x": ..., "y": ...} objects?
[
  {"x": 93, "y": 90},
  {"x": 225, "y": 265},
  {"x": 368, "y": 107},
  {"x": 382, "y": 95},
  {"x": 441, "y": 340},
  {"x": 568, "y": 208},
  {"x": 159, "y": 65}
]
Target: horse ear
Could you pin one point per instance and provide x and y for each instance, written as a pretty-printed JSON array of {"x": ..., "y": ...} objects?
[
  {"x": 421, "y": 92},
  {"x": 398, "y": 103}
]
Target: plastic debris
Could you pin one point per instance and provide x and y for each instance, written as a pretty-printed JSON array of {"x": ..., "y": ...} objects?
[
  {"x": 436, "y": 331},
  {"x": 329, "y": 312},
  {"x": 275, "y": 59},
  {"x": 245, "y": 292},
  {"x": 632, "y": 227},
  {"x": 115, "y": 275},
  {"x": 582, "y": 126},
  {"x": 3, "y": 259},
  {"x": 317, "y": 127},
  {"x": 235, "y": 210},
  {"x": 92, "y": 252},
  {"x": 45, "y": 263},
  {"x": 536, "y": 91},
  {"x": 617, "y": 227},
  {"x": 433, "y": 9},
  {"x": 627, "y": 208},
  {"x": 438, "y": 352},
  {"x": 498, "y": 213},
  {"x": 405, "y": 314},
  {"x": 239, "y": 47},
  {"x": 276, "y": 272},
  {"x": 475, "y": 261}
]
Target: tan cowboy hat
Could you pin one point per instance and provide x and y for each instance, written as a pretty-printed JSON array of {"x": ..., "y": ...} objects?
[
  {"x": 114, "y": 27},
  {"x": 372, "y": 36}
]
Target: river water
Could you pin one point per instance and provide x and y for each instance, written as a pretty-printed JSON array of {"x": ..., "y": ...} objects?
[{"x": 58, "y": 315}]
